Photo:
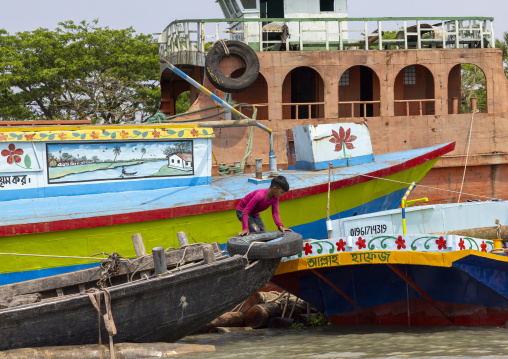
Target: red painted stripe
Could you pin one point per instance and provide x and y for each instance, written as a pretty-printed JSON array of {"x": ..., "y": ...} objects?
[{"x": 183, "y": 211}]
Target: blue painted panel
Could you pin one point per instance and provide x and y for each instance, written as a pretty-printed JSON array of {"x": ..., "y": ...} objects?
[
  {"x": 105, "y": 187},
  {"x": 335, "y": 163},
  {"x": 8, "y": 278}
]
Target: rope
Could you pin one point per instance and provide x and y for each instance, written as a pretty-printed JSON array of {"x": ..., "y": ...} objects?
[
  {"x": 109, "y": 323},
  {"x": 420, "y": 185},
  {"x": 226, "y": 170},
  {"x": 276, "y": 299},
  {"x": 467, "y": 153},
  {"x": 223, "y": 43}
]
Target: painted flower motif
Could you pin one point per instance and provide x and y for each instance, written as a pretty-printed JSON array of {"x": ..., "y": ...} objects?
[
  {"x": 94, "y": 135},
  {"x": 124, "y": 134},
  {"x": 12, "y": 154},
  {"x": 342, "y": 137},
  {"x": 400, "y": 243},
  {"x": 441, "y": 243},
  {"x": 156, "y": 134},
  {"x": 194, "y": 132},
  {"x": 30, "y": 137},
  {"x": 62, "y": 136},
  {"x": 307, "y": 248},
  {"x": 484, "y": 246},
  {"x": 3, "y": 137},
  {"x": 341, "y": 245},
  {"x": 360, "y": 243},
  {"x": 462, "y": 245}
]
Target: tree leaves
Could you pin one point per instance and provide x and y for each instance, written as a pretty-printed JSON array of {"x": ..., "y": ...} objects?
[{"x": 77, "y": 71}]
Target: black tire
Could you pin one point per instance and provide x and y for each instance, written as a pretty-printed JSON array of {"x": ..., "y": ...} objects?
[
  {"x": 277, "y": 245},
  {"x": 227, "y": 84}
]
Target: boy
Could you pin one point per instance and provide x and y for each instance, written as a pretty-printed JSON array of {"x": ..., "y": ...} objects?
[{"x": 249, "y": 207}]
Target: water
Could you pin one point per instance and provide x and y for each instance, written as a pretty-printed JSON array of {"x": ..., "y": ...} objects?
[
  {"x": 143, "y": 170},
  {"x": 357, "y": 342}
]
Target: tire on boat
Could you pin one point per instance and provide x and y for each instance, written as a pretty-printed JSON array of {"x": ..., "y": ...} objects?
[
  {"x": 275, "y": 245},
  {"x": 228, "y": 84}
]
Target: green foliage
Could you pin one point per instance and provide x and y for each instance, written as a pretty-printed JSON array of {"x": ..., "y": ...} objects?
[
  {"x": 297, "y": 326},
  {"x": 182, "y": 102},
  {"x": 78, "y": 70},
  {"x": 503, "y": 45},
  {"x": 473, "y": 84},
  {"x": 318, "y": 320}
]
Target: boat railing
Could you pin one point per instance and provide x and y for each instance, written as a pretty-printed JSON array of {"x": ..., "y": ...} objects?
[
  {"x": 303, "y": 110},
  {"x": 421, "y": 105},
  {"x": 269, "y": 34},
  {"x": 359, "y": 108}
]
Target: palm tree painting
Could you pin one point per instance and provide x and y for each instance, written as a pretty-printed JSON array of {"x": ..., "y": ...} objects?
[
  {"x": 143, "y": 151},
  {"x": 116, "y": 151}
]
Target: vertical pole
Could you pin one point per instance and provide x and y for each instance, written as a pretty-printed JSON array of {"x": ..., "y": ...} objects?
[
  {"x": 419, "y": 35},
  {"x": 259, "y": 168},
  {"x": 482, "y": 24},
  {"x": 216, "y": 31},
  {"x": 182, "y": 239},
  {"x": 405, "y": 35},
  {"x": 341, "y": 42},
  {"x": 444, "y": 34},
  {"x": 301, "y": 35},
  {"x": 326, "y": 36},
  {"x": 187, "y": 35},
  {"x": 379, "y": 36},
  {"x": 456, "y": 34},
  {"x": 492, "y": 39},
  {"x": 260, "y": 27},
  {"x": 159, "y": 260},
  {"x": 403, "y": 205},
  {"x": 365, "y": 25}
]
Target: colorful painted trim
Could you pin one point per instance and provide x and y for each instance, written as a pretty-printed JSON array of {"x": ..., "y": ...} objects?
[
  {"x": 353, "y": 161},
  {"x": 103, "y": 133},
  {"x": 400, "y": 249}
]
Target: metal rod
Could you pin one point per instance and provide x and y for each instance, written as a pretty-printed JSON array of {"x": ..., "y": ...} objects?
[
  {"x": 403, "y": 205},
  {"x": 215, "y": 97}
]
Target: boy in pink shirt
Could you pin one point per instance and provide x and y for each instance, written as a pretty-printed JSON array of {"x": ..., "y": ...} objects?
[{"x": 249, "y": 207}]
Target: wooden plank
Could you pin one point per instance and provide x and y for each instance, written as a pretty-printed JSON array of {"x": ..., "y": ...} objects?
[{"x": 192, "y": 253}]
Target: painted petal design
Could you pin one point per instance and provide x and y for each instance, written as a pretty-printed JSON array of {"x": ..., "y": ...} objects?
[
  {"x": 338, "y": 147},
  {"x": 12, "y": 147},
  {"x": 349, "y": 146},
  {"x": 19, "y": 151},
  {"x": 10, "y": 160},
  {"x": 6, "y": 152},
  {"x": 335, "y": 138},
  {"x": 351, "y": 139},
  {"x": 17, "y": 158},
  {"x": 348, "y": 132},
  {"x": 342, "y": 134}
]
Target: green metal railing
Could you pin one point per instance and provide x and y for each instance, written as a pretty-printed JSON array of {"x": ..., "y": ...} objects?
[{"x": 330, "y": 33}]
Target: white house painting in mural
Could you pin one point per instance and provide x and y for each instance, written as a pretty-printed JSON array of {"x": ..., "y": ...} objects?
[{"x": 180, "y": 161}]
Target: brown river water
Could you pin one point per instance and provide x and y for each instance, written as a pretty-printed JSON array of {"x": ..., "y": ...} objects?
[{"x": 357, "y": 342}]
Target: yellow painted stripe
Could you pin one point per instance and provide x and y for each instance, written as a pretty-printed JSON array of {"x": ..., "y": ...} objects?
[
  {"x": 433, "y": 259},
  {"x": 205, "y": 90},
  {"x": 100, "y": 127}
]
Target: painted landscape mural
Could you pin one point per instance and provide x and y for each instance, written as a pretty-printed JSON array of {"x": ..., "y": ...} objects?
[{"x": 83, "y": 162}]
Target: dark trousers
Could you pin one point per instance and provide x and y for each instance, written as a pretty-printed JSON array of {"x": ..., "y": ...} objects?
[{"x": 255, "y": 224}]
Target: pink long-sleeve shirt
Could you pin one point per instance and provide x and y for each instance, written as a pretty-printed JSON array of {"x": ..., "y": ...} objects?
[{"x": 256, "y": 202}]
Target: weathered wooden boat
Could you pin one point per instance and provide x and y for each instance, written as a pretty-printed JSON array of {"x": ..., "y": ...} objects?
[
  {"x": 142, "y": 301},
  {"x": 62, "y": 194}
]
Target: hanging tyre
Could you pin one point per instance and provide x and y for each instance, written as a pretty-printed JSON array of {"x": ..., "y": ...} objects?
[
  {"x": 275, "y": 245},
  {"x": 240, "y": 50}
]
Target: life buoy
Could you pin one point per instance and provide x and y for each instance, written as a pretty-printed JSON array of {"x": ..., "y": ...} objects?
[
  {"x": 275, "y": 245},
  {"x": 238, "y": 49}
]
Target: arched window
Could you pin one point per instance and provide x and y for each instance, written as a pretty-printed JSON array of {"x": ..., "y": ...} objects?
[
  {"x": 466, "y": 82},
  {"x": 303, "y": 94},
  {"x": 359, "y": 93},
  {"x": 414, "y": 91}
]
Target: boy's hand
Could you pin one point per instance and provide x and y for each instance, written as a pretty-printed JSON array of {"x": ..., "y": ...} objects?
[
  {"x": 244, "y": 232},
  {"x": 282, "y": 229}
]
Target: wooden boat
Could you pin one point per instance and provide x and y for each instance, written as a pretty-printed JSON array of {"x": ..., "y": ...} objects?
[
  {"x": 56, "y": 204},
  {"x": 198, "y": 284},
  {"x": 369, "y": 272},
  {"x": 473, "y": 219}
]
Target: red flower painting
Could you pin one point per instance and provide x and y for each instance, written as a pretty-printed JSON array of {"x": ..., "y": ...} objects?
[
  {"x": 94, "y": 135},
  {"x": 3, "y": 137},
  {"x": 484, "y": 246},
  {"x": 156, "y": 134},
  {"x": 360, "y": 243},
  {"x": 343, "y": 137},
  {"x": 400, "y": 243},
  {"x": 30, "y": 137},
  {"x": 124, "y": 134},
  {"x": 462, "y": 245},
  {"x": 307, "y": 248},
  {"x": 441, "y": 243},
  {"x": 194, "y": 132},
  {"x": 12, "y": 154},
  {"x": 341, "y": 245}
]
